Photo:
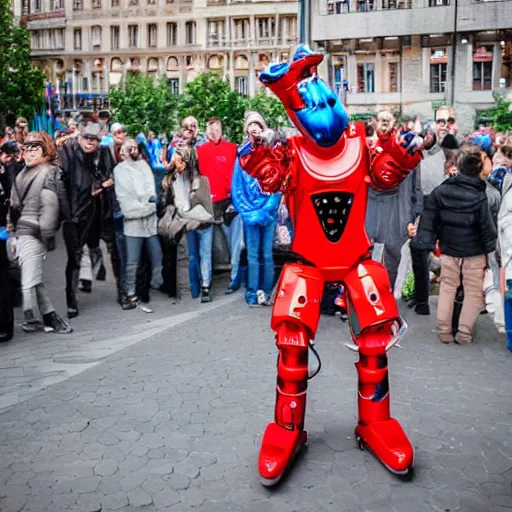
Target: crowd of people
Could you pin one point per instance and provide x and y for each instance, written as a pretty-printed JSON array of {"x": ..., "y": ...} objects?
[{"x": 171, "y": 212}]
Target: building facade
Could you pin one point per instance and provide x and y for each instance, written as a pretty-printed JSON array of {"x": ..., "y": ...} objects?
[
  {"x": 87, "y": 46},
  {"x": 414, "y": 55}
]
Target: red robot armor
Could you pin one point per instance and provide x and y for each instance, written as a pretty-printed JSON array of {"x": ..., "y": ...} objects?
[{"x": 325, "y": 179}]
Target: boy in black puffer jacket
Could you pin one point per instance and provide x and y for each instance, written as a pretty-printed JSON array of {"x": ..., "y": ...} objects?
[{"x": 457, "y": 214}]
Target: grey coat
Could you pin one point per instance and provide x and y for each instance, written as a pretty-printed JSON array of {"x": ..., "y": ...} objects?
[{"x": 35, "y": 194}]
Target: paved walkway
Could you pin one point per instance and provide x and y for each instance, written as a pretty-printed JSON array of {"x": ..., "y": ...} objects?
[{"x": 174, "y": 419}]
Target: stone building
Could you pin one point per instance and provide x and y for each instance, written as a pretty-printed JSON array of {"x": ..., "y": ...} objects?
[
  {"x": 87, "y": 46},
  {"x": 416, "y": 54}
]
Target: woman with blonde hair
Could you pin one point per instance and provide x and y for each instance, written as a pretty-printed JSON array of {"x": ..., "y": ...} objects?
[{"x": 32, "y": 222}]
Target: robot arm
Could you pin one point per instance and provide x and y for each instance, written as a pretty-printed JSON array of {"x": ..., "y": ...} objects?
[
  {"x": 393, "y": 157},
  {"x": 271, "y": 166}
]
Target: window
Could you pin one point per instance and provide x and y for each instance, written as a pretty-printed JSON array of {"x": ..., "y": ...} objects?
[
  {"x": 266, "y": 28},
  {"x": 190, "y": 31},
  {"x": 172, "y": 34},
  {"x": 96, "y": 37},
  {"x": 174, "y": 86},
  {"x": 365, "y": 5},
  {"x": 365, "y": 78},
  {"x": 57, "y": 39},
  {"x": 78, "y": 5},
  {"x": 96, "y": 4},
  {"x": 58, "y": 4},
  {"x": 133, "y": 36},
  {"x": 242, "y": 30},
  {"x": 437, "y": 3},
  {"x": 152, "y": 35},
  {"x": 338, "y": 6},
  {"x": 438, "y": 69},
  {"x": 77, "y": 38},
  {"x": 115, "y": 3},
  {"x": 241, "y": 85},
  {"x": 482, "y": 68},
  {"x": 215, "y": 32},
  {"x": 133, "y": 3},
  {"x": 37, "y": 6},
  {"x": 151, "y": 2},
  {"x": 114, "y": 38},
  {"x": 97, "y": 82},
  {"x": 85, "y": 83},
  {"x": 393, "y": 77},
  {"x": 170, "y": 1},
  {"x": 339, "y": 76},
  {"x": 396, "y": 4}
]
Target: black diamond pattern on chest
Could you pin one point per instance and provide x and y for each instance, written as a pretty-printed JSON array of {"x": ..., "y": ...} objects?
[{"x": 333, "y": 209}]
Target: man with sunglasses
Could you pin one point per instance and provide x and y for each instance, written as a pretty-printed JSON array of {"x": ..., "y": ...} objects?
[
  {"x": 87, "y": 169},
  {"x": 432, "y": 172}
]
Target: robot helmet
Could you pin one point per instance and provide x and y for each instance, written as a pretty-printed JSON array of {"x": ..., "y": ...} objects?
[{"x": 311, "y": 104}]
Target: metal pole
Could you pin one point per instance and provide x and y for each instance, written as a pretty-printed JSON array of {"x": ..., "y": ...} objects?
[
  {"x": 304, "y": 20},
  {"x": 454, "y": 52}
]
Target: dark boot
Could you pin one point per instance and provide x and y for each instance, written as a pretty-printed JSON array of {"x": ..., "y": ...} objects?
[
  {"x": 129, "y": 302},
  {"x": 85, "y": 286},
  {"x": 206, "y": 294},
  {"x": 422, "y": 308}
]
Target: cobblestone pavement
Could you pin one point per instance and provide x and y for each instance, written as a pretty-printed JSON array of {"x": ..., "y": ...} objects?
[{"x": 174, "y": 419}]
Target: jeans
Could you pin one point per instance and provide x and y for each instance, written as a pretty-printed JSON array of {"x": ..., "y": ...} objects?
[
  {"x": 421, "y": 269},
  {"x": 121, "y": 249},
  {"x": 134, "y": 245},
  {"x": 200, "y": 259},
  {"x": 234, "y": 235},
  {"x": 259, "y": 241}
]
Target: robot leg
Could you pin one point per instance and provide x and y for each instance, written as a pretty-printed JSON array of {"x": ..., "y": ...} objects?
[
  {"x": 295, "y": 319},
  {"x": 374, "y": 319}
]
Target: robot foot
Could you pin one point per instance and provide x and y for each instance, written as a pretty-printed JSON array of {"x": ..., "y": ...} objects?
[
  {"x": 388, "y": 442},
  {"x": 278, "y": 450}
]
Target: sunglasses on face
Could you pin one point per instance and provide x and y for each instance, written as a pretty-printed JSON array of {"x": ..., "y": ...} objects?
[
  {"x": 90, "y": 138},
  {"x": 450, "y": 120},
  {"x": 190, "y": 127},
  {"x": 32, "y": 148}
]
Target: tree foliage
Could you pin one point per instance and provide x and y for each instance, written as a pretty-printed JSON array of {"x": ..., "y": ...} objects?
[
  {"x": 500, "y": 116},
  {"x": 209, "y": 96},
  {"x": 144, "y": 105},
  {"x": 21, "y": 85}
]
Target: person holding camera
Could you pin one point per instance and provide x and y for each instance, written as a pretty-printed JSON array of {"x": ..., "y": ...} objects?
[
  {"x": 87, "y": 209},
  {"x": 32, "y": 222}
]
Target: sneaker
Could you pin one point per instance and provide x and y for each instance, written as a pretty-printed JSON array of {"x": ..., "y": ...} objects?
[
  {"x": 129, "y": 303},
  {"x": 206, "y": 294},
  {"x": 32, "y": 326},
  {"x": 262, "y": 298},
  {"x": 253, "y": 304},
  {"x": 85, "y": 286},
  {"x": 55, "y": 323},
  {"x": 422, "y": 308}
]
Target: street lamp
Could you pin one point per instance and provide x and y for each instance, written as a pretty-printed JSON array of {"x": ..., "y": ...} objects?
[{"x": 304, "y": 21}]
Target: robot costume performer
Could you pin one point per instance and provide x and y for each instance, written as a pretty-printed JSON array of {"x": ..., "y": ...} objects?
[{"x": 324, "y": 173}]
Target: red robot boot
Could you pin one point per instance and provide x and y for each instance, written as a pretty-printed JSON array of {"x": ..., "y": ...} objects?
[
  {"x": 376, "y": 429},
  {"x": 295, "y": 319},
  {"x": 373, "y": 317}
]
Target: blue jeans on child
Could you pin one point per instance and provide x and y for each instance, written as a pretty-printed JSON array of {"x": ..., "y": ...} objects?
[
  {"x": 200, "y": 259},
  {"x": 259, "y": 241}
]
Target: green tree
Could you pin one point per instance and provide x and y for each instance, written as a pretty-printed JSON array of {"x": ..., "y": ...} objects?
[
  {"x": 21, "y": 85},
  {"x": 269, "y": 107},
  {"x": 143, "y": 105},
  {"x": 209, "y": 96},
  {"x": 500, "y": 116}
]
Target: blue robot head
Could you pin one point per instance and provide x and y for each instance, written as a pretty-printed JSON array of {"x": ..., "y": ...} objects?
[{"x": 311, "y": 104}]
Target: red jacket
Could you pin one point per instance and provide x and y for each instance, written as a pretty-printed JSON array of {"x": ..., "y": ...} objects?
[{"x": 217, "y": 161}]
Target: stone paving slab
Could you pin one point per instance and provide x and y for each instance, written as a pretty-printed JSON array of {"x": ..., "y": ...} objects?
[{"x": 174, "y": 422}]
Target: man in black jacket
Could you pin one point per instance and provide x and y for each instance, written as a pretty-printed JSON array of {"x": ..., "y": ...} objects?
[
  {"x": 87, "y": 173},
  {"x": 457, "y": 214}
]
